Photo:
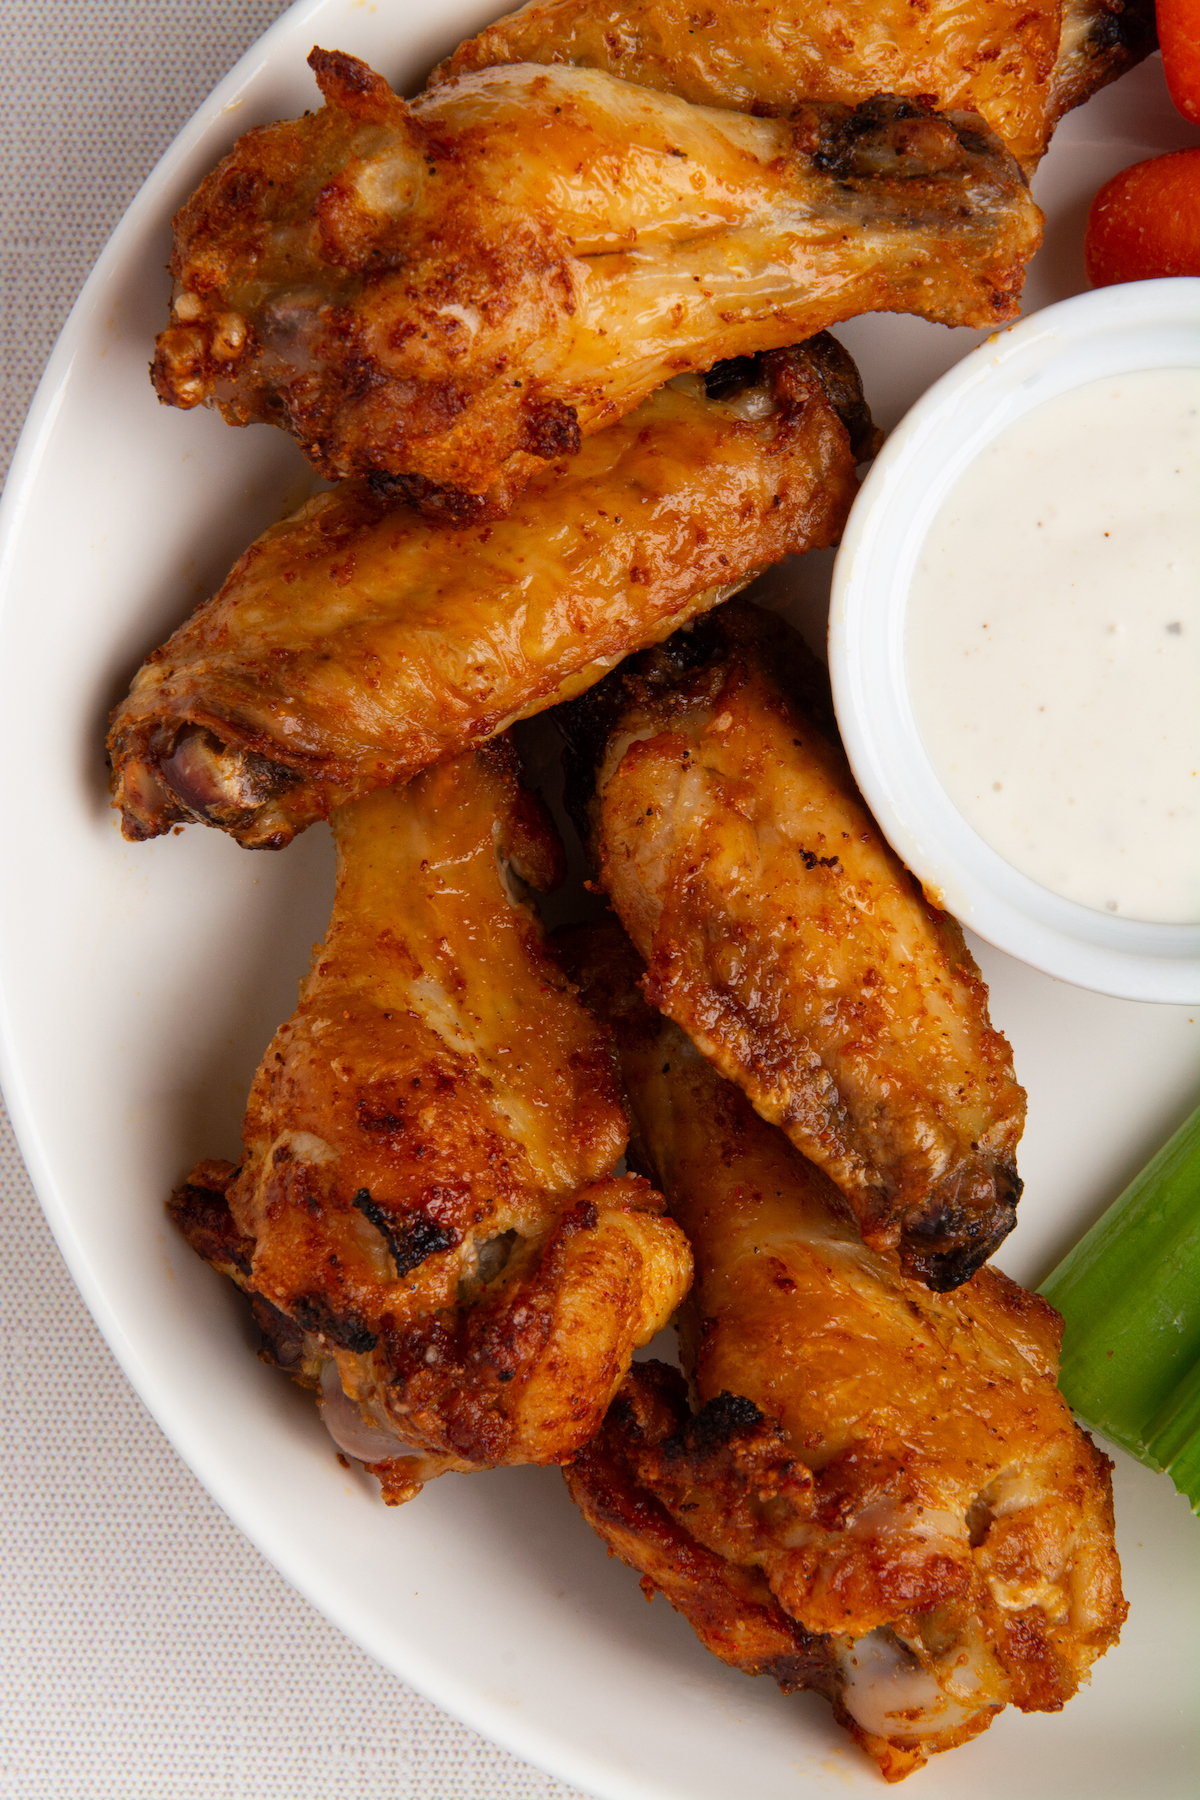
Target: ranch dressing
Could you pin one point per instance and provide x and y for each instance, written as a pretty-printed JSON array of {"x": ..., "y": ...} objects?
[{"x": 1053, "y": 645}]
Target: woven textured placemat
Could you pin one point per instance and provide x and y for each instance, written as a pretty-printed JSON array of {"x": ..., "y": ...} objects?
[{"x": 147, "y": 1652}]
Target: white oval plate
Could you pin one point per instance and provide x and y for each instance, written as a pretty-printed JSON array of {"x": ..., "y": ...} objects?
[{"x": 141, "y": 984}]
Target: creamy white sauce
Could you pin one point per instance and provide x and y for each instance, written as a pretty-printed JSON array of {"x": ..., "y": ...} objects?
[{"x": 1053, "y": 645}]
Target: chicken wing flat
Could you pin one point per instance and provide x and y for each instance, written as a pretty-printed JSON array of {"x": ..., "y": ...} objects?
[
  {"x": 426, "y": 1214},
  {"x": 357, "y": 642},
  {"x": 1019, "y": 65},
  {"x": 457, "y": 288},
  {"x": 933, "y": 1530},
  {"x": 789, "y": 942}
]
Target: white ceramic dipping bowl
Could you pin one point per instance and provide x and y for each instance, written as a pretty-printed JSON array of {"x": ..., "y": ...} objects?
[{"x": 1114, "y": 331}]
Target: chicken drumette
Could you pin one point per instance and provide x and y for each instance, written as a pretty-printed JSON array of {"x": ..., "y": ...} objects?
[
  {"x": 459, "y": 288},
  {"x": 426, "y": 1216}
]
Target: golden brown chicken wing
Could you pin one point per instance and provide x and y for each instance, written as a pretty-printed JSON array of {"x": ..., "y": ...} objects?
[
  {"x": 790, "y": 943},
  {"x": 426, "y": 1213},
  {"x": 1020, "y": 64},
  {"x": 357, "y": 642},
  {"x": 459, "y": 288},
  {"x": 882, "y": 1494}
]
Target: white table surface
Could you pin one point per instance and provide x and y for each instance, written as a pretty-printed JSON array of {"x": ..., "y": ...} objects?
[{"x": 147, "y": 1652}]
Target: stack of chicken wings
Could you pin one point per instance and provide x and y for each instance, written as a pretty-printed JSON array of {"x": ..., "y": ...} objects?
[{"x": 557, "y": 330}]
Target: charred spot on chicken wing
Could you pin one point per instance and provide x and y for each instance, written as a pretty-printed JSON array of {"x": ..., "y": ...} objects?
[
  {"x": 887, "y": 1473},
  {"x": 789, "y": 942},
  {"x": 459, "y": 289}
]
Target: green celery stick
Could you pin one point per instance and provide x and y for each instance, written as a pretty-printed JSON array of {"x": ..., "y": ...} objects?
[
  {"x": 1173, "y": 1437},
  {"x": 1129, "y": 1293}
]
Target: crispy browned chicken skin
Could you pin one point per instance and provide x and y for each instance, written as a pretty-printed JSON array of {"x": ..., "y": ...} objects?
[
  {"x": 791, "y": 944},
  {"x": 356, "y": 642},
  {"x": 1020, "y": 63},
  {"x": 882, "y": 1494},
  {"x": 457, "y": 288},
  {"x": 426, "y": 1214}
]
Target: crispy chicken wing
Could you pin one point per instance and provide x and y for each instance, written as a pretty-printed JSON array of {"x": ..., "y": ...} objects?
[
  {"x": 356, "y": 642},
  {"x": 882, "y": 1494},
  {"x": 1020, "y": 64},
  {"x": 457, "y": 288},
  {"x": 426, "y": 1215},
  {"x": 790, "y": 943}
]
